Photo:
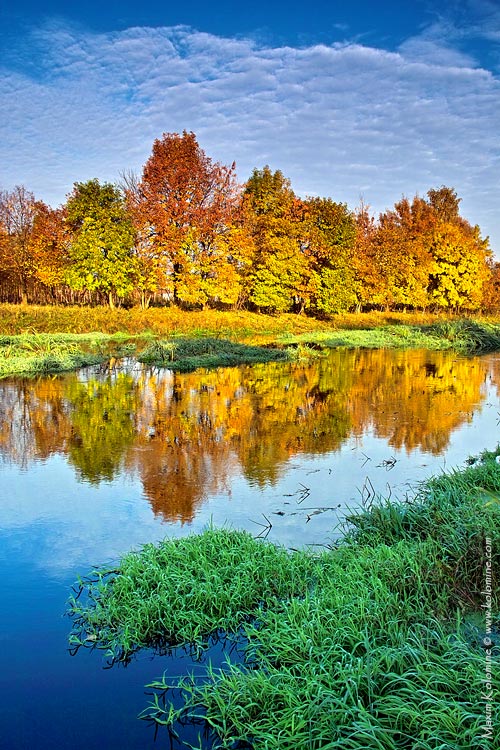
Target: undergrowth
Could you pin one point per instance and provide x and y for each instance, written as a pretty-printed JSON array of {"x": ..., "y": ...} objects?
[{"x": 362, "y": 646}]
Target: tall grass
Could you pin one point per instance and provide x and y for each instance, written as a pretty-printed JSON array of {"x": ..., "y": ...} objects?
[
  {"x": 168, "y": 321},
  {"x": 469, "y": 336},
  {"x": 241, "y": 325},
  {"x": 362, "y": 646}
]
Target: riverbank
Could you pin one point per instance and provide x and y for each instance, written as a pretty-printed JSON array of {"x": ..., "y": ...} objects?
[
  {"x": 61, "y": 339},
  {"x": 380, "y": 642}
]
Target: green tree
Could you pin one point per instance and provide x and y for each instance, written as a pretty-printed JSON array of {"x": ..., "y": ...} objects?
[
  {"x": 102, "y": 246},
  {"x": 282, "y": 278},
  {"x": 330, "y": 239}
]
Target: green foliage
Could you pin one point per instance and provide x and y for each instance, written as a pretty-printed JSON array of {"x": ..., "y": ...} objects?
[
  {"x": 280, "y": 278},
  {"x": 330, "y": 237},
  {"x": 91, "y": 200},
  {"x": 102, "y": 258},
  {"x": 356, "y": 647},
  {"x": 101, "y": 250},
  {"x": 269, "y": 193},
  {"x": 103, "y": 427}
]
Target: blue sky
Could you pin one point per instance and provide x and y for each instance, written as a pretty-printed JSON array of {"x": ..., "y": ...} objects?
[{"x": 367, "y": 100}]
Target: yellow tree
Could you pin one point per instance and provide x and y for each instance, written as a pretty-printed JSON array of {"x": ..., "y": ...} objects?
[
  {"x": 282, "y": 278},
  {"x": 402, "y": 252},
  {"x": 50, "y": 248},
  {"x": 459, "y": 269}
]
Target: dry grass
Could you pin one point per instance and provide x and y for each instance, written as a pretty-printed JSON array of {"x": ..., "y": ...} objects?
[{"x": 241, "y": 325}]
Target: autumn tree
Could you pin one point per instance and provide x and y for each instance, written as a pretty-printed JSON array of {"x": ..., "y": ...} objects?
[
  {"x": 445, "y": 203},
  {"x": 459, "y": 270},
  {"x": 282, "y": 278},
  {"x": 370, "y": 279},
  {"x": 183, "y": 207},
  {"x": 102, "y": 244},
  {"x": 402, "y": 252},
  {"x": 460, "y": 256},
  {"x": 50, "y": 249},
  {"x": 491, "y": 288},
  {"x": 18, "y": 210},
  {"x": 329, "y": 243}
]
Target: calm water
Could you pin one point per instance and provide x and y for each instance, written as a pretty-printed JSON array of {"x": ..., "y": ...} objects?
[{"x": 95, "y": 463}]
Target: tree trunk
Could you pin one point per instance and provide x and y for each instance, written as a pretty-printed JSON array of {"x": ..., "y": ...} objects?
[{"x": 111, "y": 300}]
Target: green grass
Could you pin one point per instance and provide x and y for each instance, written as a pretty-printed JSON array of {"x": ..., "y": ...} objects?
[
  {"x": 465, "y": 336},
  {"x": 363, "y": 646},
  {"x": 185, "y": 355},
  {"x": 34, "y": 353}
]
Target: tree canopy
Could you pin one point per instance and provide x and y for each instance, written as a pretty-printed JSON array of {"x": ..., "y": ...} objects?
[{"x": 186, "y": 233}]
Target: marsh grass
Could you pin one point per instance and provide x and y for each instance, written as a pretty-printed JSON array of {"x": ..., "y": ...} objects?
[
  {"x": 469, "y": 336},
  {"x": 178, "y": 336},
  {"x": 33, "y": 353},
  {"x": 465, "y": 336},
  {"x": 362, "y": 646},
  {"x": 185, "y": 355}
]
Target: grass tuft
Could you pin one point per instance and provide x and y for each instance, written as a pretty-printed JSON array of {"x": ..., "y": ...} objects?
[{"x": 185, "y": 355}]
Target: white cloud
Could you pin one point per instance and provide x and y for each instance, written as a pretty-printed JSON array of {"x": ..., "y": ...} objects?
[{"x": 339, "y": 120}]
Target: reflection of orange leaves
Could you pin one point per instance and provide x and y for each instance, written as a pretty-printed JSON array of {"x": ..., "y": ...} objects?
[{"x": 187, "y": 434}]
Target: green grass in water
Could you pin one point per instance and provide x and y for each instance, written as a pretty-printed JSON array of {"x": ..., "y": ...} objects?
[
  {"x": 359, "y": 647},
  {"x": 187, "y": 354},
  {"x": 41, "y": 353},
  {"x": 465, "y": 336}
]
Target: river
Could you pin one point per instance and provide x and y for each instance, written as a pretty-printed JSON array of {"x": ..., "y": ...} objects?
[{"x": 95, "y": 463}]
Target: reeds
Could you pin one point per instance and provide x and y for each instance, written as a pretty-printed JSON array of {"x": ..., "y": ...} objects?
[
  {"x": 362, "y": 646},
  {"x": 469, "y": 336}
]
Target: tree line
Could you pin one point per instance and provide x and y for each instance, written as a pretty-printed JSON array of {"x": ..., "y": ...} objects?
[{"x": 186, "y": 233}]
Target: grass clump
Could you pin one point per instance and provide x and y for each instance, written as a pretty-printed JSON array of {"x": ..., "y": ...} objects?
[
  {"x": 187, "y": 354},
  {"x": 182, "y": 590},
  {"x": 362, "y": 646},
  {"x": 468, "y": 336},
  {"x": 33, "y": 353}
]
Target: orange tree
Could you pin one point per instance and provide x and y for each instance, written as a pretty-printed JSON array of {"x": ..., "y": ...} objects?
[{"x": 183, "y": 208}]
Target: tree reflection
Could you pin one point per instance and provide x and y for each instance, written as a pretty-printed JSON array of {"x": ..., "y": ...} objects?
[{"x": 186, "y": 435}]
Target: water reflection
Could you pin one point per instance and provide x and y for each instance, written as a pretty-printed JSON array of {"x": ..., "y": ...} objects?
[{"x": 187, "y": 435}]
